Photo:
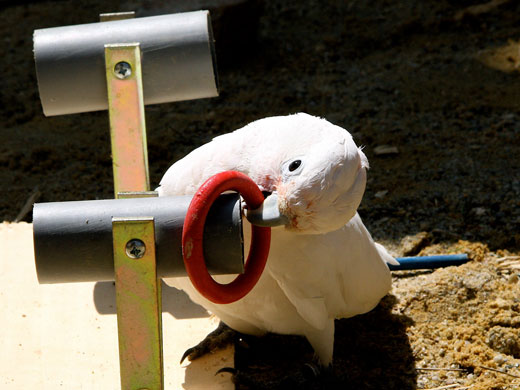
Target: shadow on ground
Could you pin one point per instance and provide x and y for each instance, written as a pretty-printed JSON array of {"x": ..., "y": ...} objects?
[
  {"x": 371, "y": 351},
  {"x": 174, "y": 301}
]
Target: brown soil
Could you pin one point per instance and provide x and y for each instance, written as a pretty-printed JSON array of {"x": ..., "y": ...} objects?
[{"x": 438, "y": 80}]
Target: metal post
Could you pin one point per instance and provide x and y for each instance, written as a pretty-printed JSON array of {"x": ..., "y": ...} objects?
[
  {"x": 68, "y": 55},
  {"x": 138, "y": 300}
]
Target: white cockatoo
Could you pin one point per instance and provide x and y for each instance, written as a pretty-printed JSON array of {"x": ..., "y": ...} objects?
[{"x": 323, "y": 264}]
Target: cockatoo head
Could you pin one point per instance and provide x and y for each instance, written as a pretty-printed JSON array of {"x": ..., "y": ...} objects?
[{"x": 313, "y": 171}]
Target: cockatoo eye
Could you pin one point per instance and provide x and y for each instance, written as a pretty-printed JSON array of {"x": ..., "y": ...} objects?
[{"x": 294, "y": 165}]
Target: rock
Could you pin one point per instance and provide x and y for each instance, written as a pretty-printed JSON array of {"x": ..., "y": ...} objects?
[
  {"x": 412, "y": 244},
  {"x": 499, "y": 359},
  {"x": 500, "y": 303},
  {"x": 479, "y": 211},
  {"x": 504, "y": 340},
  {"x": 381, "y": 194}
]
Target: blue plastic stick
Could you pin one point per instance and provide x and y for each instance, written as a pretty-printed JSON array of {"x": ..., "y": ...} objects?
[{"x": 428, "y": 262}]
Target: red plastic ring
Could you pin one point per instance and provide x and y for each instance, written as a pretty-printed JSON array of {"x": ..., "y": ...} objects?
[{"x": 193, "y": 230}]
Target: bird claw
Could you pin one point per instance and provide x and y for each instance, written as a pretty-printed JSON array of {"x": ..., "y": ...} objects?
[
  {"x": 312, "y": 370},
  {"x": 219, "y": 338},
  {"x": 187, "y": 353},
  {"x": 230, "y": 370}
]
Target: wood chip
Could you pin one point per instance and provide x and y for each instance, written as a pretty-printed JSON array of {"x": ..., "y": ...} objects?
[
  {"x": 28, "y": 205},
  {"x": 382, "y": 150},
  {"x": 439, "y": 369},
  {"x": 453, "y": 386},
  {"x": 480, "y": 9},
  {"x": 509, "y": 265},
  {"x": 506, "y": 258},
  {"x": 500, "y": 371}
]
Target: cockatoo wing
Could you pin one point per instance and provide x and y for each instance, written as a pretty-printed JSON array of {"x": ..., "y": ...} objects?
[
  {"x": 339, "y": 274},
  {"x": 187, "y": 175},
  {"x": 309, "y": 298}
]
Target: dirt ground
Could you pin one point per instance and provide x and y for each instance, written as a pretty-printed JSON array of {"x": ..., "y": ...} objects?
[{"x": 430, "y": 88}]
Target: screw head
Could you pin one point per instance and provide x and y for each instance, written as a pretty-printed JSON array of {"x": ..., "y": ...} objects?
[
  {"x": 135, "y": 248},
  {"x": 122, "y": 70}
]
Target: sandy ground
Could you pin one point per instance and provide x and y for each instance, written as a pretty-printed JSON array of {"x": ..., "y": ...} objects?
[
  {"x": 64, "y": 335},
  {"x": 430, "y": 88}
]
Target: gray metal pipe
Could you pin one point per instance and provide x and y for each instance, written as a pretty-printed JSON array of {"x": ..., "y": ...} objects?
[
  {"x": 178, "y": 61},
  {"x": 73, "y": 240}
]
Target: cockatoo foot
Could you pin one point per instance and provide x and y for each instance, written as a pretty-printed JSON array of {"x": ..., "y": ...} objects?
[
  {"x": 310, "y": 375},
  {"x": 218, "y": 339},
  {"x": 314, "y": 370}
]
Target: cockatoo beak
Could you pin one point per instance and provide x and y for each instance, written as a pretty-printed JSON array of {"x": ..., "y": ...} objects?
[{"x": 268, "y": 214}]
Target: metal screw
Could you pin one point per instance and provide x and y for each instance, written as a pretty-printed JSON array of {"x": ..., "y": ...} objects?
[
  {"x": 122, "y": 70},
  {"x": 135, "y": 248}
]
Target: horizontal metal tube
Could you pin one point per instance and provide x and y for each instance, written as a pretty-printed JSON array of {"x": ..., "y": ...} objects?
[
  {"x": 178, "y": 61},
  {"x": 73, "y": 240}
]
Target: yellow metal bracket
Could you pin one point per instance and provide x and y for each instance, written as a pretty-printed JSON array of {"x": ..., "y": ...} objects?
[
  {"x": 138, "y": 300},
  {"x": 126, "y": 111},
  {"x": 138, "y": 291}
]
